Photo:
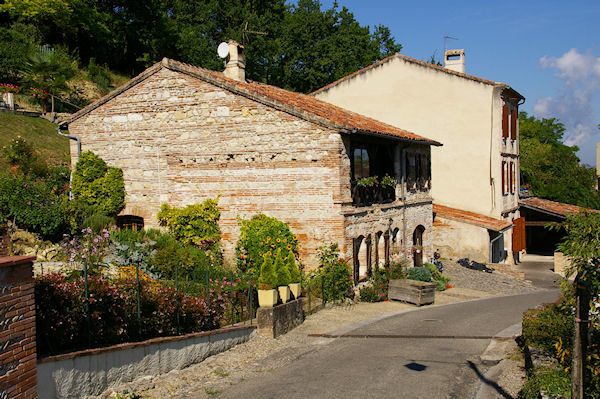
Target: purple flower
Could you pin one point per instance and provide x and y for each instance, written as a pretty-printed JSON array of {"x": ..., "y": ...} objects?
[{"x": 28, "y": 202}]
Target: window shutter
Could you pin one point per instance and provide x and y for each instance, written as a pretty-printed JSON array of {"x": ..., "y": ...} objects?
[
  {"x": 503, "y": 177},
  {"x": 505, "y": 121},
  {"x": 513, "y": 124},
  {"x": 512, "y": 177}
]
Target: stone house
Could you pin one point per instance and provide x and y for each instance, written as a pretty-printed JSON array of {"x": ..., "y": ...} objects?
[
  {"x": 182, "y": 134},
  {"x": 476, "y": 173}
]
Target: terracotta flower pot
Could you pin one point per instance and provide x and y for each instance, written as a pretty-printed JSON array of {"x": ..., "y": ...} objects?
[{"x": 267, "y": 298}]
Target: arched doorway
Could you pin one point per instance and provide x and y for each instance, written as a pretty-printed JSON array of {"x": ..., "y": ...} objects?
[{"x": 418, "y": 246}]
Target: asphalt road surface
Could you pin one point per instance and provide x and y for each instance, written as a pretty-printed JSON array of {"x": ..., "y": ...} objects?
[{"x": 426, "y": 353}]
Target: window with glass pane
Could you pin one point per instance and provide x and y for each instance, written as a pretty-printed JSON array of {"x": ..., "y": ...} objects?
[{"x": 361, "y": 163}]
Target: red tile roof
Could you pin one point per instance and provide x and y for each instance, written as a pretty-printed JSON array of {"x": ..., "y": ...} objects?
[
  {"x": 418, "y": 62},
  {"x": 552, "y": 207},
  {"x": 470, "y": 218},
  {"x": 299, "y": 105}
]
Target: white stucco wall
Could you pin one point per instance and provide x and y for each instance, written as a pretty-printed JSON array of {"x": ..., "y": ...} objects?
[{"x": 464, "y": 114}]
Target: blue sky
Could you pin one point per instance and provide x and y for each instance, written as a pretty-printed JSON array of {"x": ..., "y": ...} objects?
[{"x": 547, "y": 50}]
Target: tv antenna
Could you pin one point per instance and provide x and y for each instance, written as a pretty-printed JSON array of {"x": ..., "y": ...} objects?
[
  {"x": 446, "y": 37},
  {"x": 245, "y": 32}
]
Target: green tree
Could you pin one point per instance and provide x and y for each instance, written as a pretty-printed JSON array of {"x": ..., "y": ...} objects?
[
  {"x": 49, "y": 71},
  {"x": 16, "y": 43},
  {"x": 552, "y": 168}
]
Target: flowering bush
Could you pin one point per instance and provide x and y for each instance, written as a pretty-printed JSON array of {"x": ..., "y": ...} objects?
[
  {"x": 334, "y": 272},
  {"x": 87, "y": 247},
  {"x": 9, "y": 88},
  {"x": 62, "y": 324},
  {"x": 261, "y": 235},
  {"x": 378, "y": 290},
  {"x": 33, "y": 205},
  {"x": 36, "y": 92}
]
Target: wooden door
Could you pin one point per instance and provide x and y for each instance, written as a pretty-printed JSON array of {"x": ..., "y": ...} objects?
[{"x": 518, "y": 235}]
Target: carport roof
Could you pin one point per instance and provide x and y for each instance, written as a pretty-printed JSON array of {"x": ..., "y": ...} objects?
[
  {"x": 473, "y": 218},
  {"x": 551, "y": 207}
]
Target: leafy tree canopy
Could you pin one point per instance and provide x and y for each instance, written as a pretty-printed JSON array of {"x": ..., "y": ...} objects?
[
  {"x": 305, "y": 46},
  {"x": 551, "y": 167}
]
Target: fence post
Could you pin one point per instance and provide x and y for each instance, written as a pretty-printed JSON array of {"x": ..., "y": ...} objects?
[
  {"x": 251, "y": 303},
  {"x": 231, "y": 296},
  {"x": 207, "y": 291},
  {"x": 323, "y": 291},
  {"x": 139, "y": 312},
  {"x": 308, "y": 294},
  {"x": 87, "y": 302},
  {"x": 177, "y": 296}
]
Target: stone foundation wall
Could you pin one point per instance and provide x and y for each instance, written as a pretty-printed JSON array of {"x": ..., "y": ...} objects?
[{"x": 18, "y": 376}]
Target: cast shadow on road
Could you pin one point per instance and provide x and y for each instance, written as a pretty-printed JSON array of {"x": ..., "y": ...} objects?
[{"x": 497, "y": 387}]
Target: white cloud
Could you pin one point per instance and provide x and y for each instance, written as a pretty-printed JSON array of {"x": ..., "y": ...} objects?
[{"x": 573, "y": 104}]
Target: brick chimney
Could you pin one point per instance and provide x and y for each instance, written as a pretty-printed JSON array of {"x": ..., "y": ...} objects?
[
  {"x": 236, "y": 62},
  {"x": 455, "y": 60}
]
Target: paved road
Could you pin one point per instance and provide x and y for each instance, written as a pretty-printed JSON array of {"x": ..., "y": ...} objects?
[
  {"x": 538, "y": 269},
  {"x": 441, "y": 361}
]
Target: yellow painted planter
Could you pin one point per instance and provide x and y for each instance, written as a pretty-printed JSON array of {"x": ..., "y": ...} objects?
[
  {"x": 296, "y": 289},
  {"x": 284, "y": 293},
  {"x": 267, "y": 298}
]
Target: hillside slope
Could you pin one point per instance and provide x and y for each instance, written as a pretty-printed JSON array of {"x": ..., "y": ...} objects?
[{"x": 39, "y": 132}]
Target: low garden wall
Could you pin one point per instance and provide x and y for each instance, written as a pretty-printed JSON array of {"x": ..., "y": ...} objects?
[
  {"x": 278, "y": 320},
  {"x": 92, "y": 371}
]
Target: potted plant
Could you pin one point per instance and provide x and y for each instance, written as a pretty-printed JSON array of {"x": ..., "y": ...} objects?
[
  {"x": 283, "y": 277},
  {"x": 417, "y": 288},
  {"x": 267, "y": 281},
  {"x": 295, "y": 275}
]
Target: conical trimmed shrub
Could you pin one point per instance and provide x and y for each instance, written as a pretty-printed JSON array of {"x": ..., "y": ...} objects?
[
  {"x": 268, "y": 278},
  {"x": 281, "y": 269},
  {"x": 293, "y": 268}
]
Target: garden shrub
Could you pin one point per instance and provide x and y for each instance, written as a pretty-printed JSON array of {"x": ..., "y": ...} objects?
[
  {"x": 193, "y": 225},
  {"x": 62, "y": 324},
  {"x": 295, "y": 273},
  {"x": 281, "y": 270},
  {"x": 377, "y": 291},
  {"x": 20, "y": 154},
  {"x": 33, "y": 205},
  {"x": 419, "y": 274},
  {"x": 268, "y": 277},
  {"x": 438, "y": 278},
  {"x": 335, "y": 273},
  {"x": 259, "y": 235},
  {"x": 397, "y": 270},
  {"x": 544, "y": 326},
  {"x": 554, "y": 382},
  {"x": 98, "y": 185}
]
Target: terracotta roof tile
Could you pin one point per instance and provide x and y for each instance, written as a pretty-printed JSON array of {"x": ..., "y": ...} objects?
[
  {"x": 473, "y": 218},
  {"x": 418, "y": 62},
  {"x": 556, "y": 208},
  {"x": 297, "y": 104}
]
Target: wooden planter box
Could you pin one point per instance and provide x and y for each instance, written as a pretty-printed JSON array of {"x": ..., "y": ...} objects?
[{"x": 412, "y": 291}]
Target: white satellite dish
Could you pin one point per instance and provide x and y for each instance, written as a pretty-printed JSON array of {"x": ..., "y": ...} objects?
[{"x": 223, "y": 50}]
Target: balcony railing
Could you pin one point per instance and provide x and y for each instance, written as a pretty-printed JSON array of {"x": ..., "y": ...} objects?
[{"x": 363, "y": 195}]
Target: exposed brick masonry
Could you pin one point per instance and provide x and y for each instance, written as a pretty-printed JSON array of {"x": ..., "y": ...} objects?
[{"x": 18, "y": 377}]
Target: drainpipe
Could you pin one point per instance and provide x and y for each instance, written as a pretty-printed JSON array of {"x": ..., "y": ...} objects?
[
  {"x": 403, "y": 194},
  {"x": 493, "y": 240},
  {"x": 78, "y": 156}
]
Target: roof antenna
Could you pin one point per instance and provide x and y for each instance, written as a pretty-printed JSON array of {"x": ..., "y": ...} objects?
[
  {"x": 446, "y": 37},
  {"x": 245, "y": 32}
]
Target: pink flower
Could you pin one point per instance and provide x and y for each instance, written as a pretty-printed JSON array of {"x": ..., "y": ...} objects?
[{"x": 28, "y": 202}]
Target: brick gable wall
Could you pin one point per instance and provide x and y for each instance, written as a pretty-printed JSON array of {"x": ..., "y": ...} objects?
[{"x": 181, "y": 140}]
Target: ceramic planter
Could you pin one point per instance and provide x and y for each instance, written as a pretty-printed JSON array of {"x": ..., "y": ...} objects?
[
  {"x": 267, "y": 298},
  {"x": 296, "y": 289},
  {"x": 284, "y": 293}
]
